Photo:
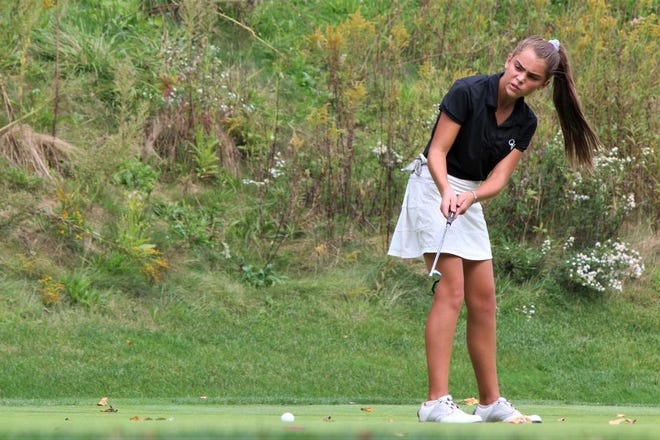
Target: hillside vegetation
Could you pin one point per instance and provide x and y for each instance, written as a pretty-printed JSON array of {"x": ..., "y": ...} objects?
[{"x": 199, "y": 194}]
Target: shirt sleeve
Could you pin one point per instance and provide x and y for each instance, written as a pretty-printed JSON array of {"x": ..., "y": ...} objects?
[
  {"x": 527, "y": 135},
  {"x": 456, "y": 103}
]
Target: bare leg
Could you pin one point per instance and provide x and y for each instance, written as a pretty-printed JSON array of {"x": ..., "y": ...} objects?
[
  {"x": 481, "y": 327},
  {"x": 441, "y": 322}
]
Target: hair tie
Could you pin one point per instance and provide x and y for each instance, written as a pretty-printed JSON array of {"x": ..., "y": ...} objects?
[{"x": 555, "y": 43}]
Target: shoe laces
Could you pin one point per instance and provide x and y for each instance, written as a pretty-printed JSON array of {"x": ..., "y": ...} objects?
[
  {"x": 450, "y": 403},
  {"x": 502, "y": 400}
]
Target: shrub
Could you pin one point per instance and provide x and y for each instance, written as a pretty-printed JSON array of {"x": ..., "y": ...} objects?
[
  {"x": 602, "y": 268},
  {"x": 136, "y": 175},
  {"x": 519, "y": 261}
]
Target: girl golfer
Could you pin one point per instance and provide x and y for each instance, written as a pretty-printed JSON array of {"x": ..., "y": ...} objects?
[{"x": 483, "y": 128}]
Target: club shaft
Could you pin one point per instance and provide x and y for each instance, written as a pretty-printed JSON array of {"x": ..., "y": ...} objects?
[
  {"x": 437, "y": 255},
  {"x": 450, "y": 219}
]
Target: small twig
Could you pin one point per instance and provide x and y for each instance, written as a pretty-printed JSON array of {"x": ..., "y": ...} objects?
[
  {"x": 250, "y": 30},
  {"x": 16, "y": 121}
]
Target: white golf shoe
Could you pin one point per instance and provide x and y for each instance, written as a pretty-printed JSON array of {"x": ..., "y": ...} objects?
[
  {"x": 503, "y": 411},
  {"x": 444, "y": 410}
]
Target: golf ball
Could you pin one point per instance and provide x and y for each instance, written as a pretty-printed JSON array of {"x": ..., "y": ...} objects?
[{"x": 287, "y": 417}]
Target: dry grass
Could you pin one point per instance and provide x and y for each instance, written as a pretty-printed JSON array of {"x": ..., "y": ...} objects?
[{"x": 37, "y": 153}]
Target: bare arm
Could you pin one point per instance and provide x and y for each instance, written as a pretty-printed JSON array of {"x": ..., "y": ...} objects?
[
  {"x": 499, "y": 177},
  {"x": 443, "y": 138},
  {"x": 493, "y": 184}
]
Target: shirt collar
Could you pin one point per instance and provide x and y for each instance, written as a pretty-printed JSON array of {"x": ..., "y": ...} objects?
[{"x": 491, "y": 91}]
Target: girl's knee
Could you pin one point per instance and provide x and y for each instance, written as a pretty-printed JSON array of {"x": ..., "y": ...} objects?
[
  {"x": 450, "y": 296},
  {"x": 481, "y": 302}
]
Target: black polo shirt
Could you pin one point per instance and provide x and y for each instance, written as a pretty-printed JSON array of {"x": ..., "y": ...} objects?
[{"x": 481, "y": 144}]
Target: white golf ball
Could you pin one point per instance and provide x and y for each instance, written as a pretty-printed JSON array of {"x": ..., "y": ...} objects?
[{"x": 287, "y": 417}]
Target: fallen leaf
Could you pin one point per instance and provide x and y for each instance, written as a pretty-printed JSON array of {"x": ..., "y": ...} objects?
[
  {"x": 522, "y": 420},
  {"x": 366, "y": 409},
  {"x": 471, "y": 401},
  {"x": 518, "y": 421},
  {"x": 110, "y": 410},
  {"x": 103, "y": 401},
  {"x": 135, "y": 419},
  {"x": 622, "y": 420}
]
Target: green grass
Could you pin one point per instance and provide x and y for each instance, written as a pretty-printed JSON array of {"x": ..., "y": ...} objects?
[
  {"x": 164, "y": 419},
  {"x": 332, "y": 336}
]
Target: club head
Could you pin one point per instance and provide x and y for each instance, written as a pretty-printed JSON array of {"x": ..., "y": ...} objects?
[
  {"x": 434, "y": 273},
  {"x": 435, "y": 283}
]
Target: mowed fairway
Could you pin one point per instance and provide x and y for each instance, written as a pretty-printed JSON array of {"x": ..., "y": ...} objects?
[{"x": 353, "y": 421}]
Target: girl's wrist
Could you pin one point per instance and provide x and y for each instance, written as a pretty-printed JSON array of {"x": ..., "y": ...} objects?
[{"x": 474, "y": 195}]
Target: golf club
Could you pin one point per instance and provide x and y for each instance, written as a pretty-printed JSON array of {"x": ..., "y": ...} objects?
[{"x": 434, "y": 271}]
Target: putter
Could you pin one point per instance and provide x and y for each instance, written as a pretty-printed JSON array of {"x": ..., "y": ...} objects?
[{"x": 435, "y": 271}]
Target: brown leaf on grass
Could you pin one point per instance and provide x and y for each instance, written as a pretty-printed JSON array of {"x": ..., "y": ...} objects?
[
  {"x": 103, "y": 402},
  {"x": 622, "y": 420},
  {"x": 522, "y": 420},
  {"x": 135, "y": 419},
  {"x": 367, "y": 409},
  {"x": 471, "y": 401},
  {"x": 110, "y": 410}
]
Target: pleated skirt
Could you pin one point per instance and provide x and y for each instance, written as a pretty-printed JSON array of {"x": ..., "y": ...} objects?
[{"x": 421, "y": 224}]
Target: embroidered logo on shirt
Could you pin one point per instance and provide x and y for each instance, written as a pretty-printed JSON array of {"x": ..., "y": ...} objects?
[{"x": 512, "y": 143}]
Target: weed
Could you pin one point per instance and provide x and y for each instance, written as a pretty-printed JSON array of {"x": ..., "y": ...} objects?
[
  {"x": 18, "y": 178},
  {"x": 151, "y": 262},
  {"x": 135, "y": 175},
  {"x": 51, "y": 290},
  {"x": 207, "y": 165},
  {"x": 263, "y": 277},
  {"x": 78, "y": 285},
  {"x": 70, "y": 221}
]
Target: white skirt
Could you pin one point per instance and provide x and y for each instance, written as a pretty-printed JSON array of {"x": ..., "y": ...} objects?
[{"x": 421, "y": 223}]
